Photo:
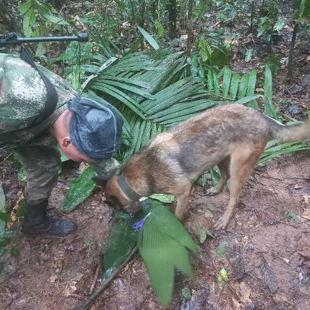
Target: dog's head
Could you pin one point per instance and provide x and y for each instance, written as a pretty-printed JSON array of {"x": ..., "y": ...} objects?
[{"x": 115, "y": 197}]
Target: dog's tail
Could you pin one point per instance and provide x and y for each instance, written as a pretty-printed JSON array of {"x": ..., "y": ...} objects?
[{"x": 290, "y": 133}]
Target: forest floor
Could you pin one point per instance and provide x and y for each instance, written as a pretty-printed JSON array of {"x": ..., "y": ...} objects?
[
  {"x": 263, "y": 241},
  {"x": 268, "y": 239}
]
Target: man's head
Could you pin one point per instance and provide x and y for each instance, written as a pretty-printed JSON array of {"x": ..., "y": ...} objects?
[{"x": 89, "y": 130}]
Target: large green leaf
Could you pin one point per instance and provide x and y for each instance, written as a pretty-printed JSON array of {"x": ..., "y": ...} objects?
[
  {"x": 234, "y": 86},
  {"x": 269, "y": 108},
  {"x": 149, "y": 38},
  {"x": 24, "y": 7},
  {"x": 79, "y": 190},
  {"x": 135, "y": 134},
  {"x": 181, "y": 90},
  {"x": 163, "y": 245},
  {"x": 251, "y": 89},
  {"x": 146, "y": 73},
  {"x": 163, "y": 198},
  {"x": 226, "y": 81},
  {"x": 243, "y": 86},
  {"x": 121, "y": 241}
]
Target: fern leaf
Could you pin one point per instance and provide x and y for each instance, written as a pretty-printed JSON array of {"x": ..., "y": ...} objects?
[
  {"x": 243, "y": 86},
  {"x": 234, "y": 86},
  {"x": 226, "y": 81},
  {"x": 251, "y": 89}
]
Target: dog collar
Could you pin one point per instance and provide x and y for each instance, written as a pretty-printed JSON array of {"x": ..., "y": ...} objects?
[{"x": 125, "y": 187}]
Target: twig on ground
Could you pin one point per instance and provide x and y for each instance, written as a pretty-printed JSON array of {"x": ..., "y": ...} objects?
[
  {"x": 5, "y": 159},
  {"x": 77, "y": 296},
  {"x": 225, "y": 281},
  {"x": 218, "y": 299},
  {"x": 95, "y": 280},
  {"x": 105, "y": 283}
]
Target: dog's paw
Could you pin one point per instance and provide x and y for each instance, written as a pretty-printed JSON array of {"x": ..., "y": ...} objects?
[
  {"x": 222, "y": 222},
  {"x": 212, "y": 191}
]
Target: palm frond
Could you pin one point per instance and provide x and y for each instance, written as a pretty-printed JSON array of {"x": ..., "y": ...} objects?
[{"x": 147, "y": 89}]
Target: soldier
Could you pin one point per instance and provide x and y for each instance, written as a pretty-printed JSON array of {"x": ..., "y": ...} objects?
[{"x": 85, "y": 129}]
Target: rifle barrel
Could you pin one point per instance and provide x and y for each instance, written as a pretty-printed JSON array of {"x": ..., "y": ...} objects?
[
  {"x": 13, "y": 38},
  {"x": 78, "y": 38}
]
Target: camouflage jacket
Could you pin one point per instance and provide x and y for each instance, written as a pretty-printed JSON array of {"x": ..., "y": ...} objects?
[{"x": 22, "y": 97}]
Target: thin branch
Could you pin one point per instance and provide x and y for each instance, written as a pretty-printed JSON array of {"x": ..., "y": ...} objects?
[
  {"x": 105, "y": 283},
  {"x": 225, "y": 281},
  {"x": 189, "y": 35},
  {"x": 5, "y": 159},
  {"x": 92, "y": 288}
]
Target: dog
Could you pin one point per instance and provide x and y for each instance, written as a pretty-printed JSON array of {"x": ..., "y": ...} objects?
[{"x": 233, "y": 137}]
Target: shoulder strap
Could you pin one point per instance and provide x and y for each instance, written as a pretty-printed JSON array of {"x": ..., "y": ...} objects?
[{"x": 52, "y": 97}]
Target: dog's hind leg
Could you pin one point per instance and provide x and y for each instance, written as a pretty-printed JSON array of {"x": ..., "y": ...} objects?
[
  {"x": 225, "y": 175},
  {"x": 243, "y": 160},
  {"x": 182, "y": 202}
]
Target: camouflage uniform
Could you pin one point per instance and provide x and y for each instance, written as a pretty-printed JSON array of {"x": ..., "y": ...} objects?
[{"x": 22, "y": 98}]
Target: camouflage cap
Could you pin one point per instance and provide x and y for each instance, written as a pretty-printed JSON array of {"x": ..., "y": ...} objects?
[{"x": 95, "y": 128}]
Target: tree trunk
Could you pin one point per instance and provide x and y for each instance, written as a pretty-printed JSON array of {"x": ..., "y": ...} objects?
[
  {"x": 154, "y": 8},
  {"x": 291, "y": 52},
  {"x": 252, "y": 15},
  {"x": 200, "y": 17},
  {"x": 172, "y": 8},
  {"x": 142, "y": 21},
  {"x": 189, "y": 34}
]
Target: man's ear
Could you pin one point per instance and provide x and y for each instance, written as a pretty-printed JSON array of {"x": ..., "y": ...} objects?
[
  {"x": 66, "y": 141},
  {"x": 100, "y": 181}
]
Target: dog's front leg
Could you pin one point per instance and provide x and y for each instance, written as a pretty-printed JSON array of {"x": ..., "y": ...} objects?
[{"x": 182, "y": 203}]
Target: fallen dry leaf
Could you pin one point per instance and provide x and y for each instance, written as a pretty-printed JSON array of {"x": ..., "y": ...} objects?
[
  {"x": 306, "y": 214},
  {"x": 70, "y": 288},
  {"x": 268, "y": 276},
  {"x": 244, "y": 292},
  {"x": 124, "y": 269},
  {"x": 15, "y": 208},
  {"x": 208, "y": 213},
  {"x": 53, "y": 278},
  {"x": 279, "y": 298},
  {"x": 237, "y": 304},
  {"x": 306, "y": 198},
  {"x": 83, "y": 166}
]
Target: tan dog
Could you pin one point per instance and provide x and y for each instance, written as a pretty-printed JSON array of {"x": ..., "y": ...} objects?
[{"x": 231, "y": 136}]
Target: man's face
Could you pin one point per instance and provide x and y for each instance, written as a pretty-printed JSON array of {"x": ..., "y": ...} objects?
[{"x": 74, "y": 154}]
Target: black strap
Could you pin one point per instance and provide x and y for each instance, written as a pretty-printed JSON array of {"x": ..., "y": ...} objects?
[
  {"x": 52, "y": 96},
  {"x": 125, "y": 187}
]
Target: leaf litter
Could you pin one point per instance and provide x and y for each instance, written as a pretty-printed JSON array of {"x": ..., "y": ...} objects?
[{"x": 268, "y": 276}]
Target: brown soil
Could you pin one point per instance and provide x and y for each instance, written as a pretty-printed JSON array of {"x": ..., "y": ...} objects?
[{"x": 52, "y": 273}]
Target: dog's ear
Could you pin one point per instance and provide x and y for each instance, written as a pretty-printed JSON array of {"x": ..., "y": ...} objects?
[{"x": 100, "y": 181}]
